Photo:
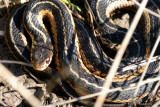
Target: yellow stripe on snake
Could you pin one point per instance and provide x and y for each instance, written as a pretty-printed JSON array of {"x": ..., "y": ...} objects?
[{"x": 78, "y": 56}]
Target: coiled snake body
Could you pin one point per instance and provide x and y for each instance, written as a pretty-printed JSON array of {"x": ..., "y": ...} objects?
[{"x": 76, "y": 51}]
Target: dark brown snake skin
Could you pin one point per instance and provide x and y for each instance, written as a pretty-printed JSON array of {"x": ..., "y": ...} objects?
[{"x": 78, "y": 54}]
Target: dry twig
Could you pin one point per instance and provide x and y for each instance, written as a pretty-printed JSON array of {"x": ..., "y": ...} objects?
[
  {"x": 17, "y": 85},
  {"x": 119, "y": 54}
]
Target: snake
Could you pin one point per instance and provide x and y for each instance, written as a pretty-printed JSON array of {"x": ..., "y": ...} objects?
[{"x": 44, "y": 33}]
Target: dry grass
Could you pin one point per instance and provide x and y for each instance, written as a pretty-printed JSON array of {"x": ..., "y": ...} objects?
[
  {"x": 120, "y": 54},
  {"x": 17, "y": 85},
  {"x": 11, "y": 79}
]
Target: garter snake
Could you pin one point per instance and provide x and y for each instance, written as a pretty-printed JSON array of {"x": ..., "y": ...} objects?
[{"x": 75, "y": 50}]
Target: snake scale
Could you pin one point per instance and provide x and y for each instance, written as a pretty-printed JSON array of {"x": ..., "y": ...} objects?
[{"x": 76, "y": 52}]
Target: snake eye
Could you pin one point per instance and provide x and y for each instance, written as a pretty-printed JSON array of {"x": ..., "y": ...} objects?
[{"x": 40, "y": 56}]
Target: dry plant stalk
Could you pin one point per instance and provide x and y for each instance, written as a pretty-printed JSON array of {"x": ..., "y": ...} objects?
[
  {"x": 17, "y": 85},
  {"x": 7, "y": 5},
  {"x": 12, "y": 80},
  {"x": 133, "y": 86},
  {"x": 119, "y": 55},
  {"x": 147, "y": 65}
]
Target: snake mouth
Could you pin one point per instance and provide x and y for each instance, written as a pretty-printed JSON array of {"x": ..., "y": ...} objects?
[
  {"x": 40, "y": 66},
  {"x": 41, "y": 58}
]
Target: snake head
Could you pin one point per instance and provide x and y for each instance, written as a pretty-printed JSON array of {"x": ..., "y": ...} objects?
[{"x": 41, "y": 57}]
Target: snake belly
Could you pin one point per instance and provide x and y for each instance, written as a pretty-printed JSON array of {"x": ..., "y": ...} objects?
[{"x": 77, "y": 53}]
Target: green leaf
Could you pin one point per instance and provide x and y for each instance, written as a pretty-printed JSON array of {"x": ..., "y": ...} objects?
[{"x": 75, "y": 6}]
